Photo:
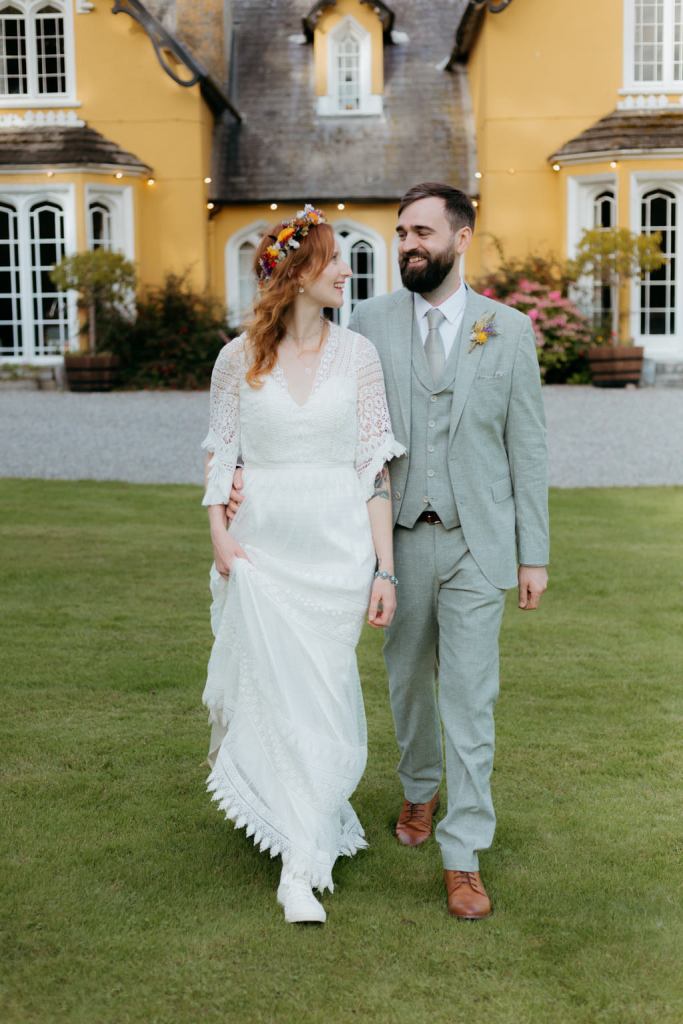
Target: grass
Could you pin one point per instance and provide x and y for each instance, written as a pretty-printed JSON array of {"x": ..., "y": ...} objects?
[{"x": 129, "y": 900}]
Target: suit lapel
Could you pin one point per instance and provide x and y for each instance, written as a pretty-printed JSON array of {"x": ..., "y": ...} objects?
[
  {"x": 400, "y": 329},
  {"x": 468, "y": 362}
]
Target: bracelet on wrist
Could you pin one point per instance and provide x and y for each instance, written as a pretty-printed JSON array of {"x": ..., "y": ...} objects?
[{"x": 382, "y": 574}]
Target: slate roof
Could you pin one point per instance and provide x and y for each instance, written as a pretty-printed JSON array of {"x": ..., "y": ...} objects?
[
  {"x": 284, "y": 151},
  {"x": 632, "y": 131},
  {"x": 63, "y": 146}
]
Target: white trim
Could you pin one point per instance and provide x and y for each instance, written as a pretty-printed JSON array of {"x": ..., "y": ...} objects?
[
  {"x": 661, "y": 348},
  {"x": 33, "y": 98},
  {"x": 615, "y": 154},
  {"x": 370, "y": 104},
  {"x": 110, "y": 171},
  {"x": 250, "y": 233},
  {"x": 22, "y": 197},
  {"x": 582, "y": 188}
]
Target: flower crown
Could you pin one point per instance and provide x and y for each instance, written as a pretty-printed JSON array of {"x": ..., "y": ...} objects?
[{"x": 289, "y": 237}]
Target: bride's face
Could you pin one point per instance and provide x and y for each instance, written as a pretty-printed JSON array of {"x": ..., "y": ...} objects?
[{"x": 328, "y": 288}]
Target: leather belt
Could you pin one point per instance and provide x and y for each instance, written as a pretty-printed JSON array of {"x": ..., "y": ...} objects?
[{"x": 429, "y": 516}]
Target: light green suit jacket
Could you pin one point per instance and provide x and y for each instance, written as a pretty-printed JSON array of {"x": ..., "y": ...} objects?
[{"x": 497, "y": 456}]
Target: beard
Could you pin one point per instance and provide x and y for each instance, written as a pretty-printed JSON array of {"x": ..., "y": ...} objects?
[{"x": 428, "y": 278}]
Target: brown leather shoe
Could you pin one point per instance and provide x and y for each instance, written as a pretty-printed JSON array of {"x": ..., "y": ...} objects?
[
  {"x": 414, "y": 825},
  {"x": 467, "y": 897}
]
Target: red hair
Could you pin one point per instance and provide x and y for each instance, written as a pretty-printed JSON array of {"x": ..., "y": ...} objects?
[{"x": 266, "y": 328}]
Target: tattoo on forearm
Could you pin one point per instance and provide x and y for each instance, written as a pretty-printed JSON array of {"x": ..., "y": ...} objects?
[{"x": 381, "y": 484}]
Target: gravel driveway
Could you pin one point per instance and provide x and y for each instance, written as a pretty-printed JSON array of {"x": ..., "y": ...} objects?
[{"x": 597, "y": 438}]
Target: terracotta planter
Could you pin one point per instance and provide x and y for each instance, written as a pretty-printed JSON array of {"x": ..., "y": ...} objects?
[
  {"x": 614, "y": 367},
  {"x": 91, "y": 373}
]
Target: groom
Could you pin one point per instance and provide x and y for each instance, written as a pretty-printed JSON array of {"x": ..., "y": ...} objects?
[{"x": 471, "y": 520}]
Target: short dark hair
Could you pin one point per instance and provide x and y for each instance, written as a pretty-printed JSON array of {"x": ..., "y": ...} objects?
[{"x": 459, "y": 208}]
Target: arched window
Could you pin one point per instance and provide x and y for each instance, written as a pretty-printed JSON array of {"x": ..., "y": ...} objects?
[
  {"x": 654, "y": 43},
  {"x": 604, "y": 216},
  {"x": 50, "y": 315},
  {"x": 100, "y": 225},
  {"x": 240, "y": 280},
  {"x": 365, "y": 252},
  {"x": 13, "y": 52},
  {"x": 658, "y": 287},
  {"x": 33, "y": 50},
  {"x": 50, "y": 50},
  {"x": 349, "y": 72},
  {"x": 11, "y": 340}
]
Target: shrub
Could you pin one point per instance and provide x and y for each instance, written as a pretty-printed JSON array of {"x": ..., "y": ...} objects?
[
  {"x": 537, "y": 286},
  {"x": 173, "y": 339},
  {"x": 104, "y": 281}
]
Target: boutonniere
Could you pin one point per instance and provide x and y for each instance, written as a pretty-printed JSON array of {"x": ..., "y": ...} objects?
[{"x": 482, "y": 330}]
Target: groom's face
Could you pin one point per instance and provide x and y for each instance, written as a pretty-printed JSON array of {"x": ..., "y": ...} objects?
[{"x": 428, "y": 246}]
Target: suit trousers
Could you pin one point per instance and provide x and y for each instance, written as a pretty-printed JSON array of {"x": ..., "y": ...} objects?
[{"x": 441, "y": 653}]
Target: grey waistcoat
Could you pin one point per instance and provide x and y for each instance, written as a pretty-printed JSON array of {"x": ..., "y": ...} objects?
[{"x": 428, "y": 484}]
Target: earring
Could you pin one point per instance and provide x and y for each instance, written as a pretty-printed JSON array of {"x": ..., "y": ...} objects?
[{"x": 301, "y": 290}]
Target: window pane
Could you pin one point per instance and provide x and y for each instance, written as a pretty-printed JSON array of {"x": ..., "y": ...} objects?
[
  {"x": 678, "y": 41},
  {"x": 348, "y": 72},
  {"x": 10, "y": 296},
  {"x": 246, "y": 284},
  {"x": 658, "y": 288},
  {"x": 13, "y": 68},
  {"x": 49, "y": 305},
  {"x": 101, "y": 226},
  {"x": 363, "y": 267},
  {"x": 604, "y": 216},
  {"x": 648, "y": 46},
  {"x": 50, "y": 52}
]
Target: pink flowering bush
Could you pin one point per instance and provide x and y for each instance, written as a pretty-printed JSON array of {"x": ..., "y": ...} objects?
[{"x": 537, "y": 286}]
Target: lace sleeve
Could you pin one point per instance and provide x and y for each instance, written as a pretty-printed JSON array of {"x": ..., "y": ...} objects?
[
  {"x": 223, "y": 438},
  {"x": 376, "y": 443}
]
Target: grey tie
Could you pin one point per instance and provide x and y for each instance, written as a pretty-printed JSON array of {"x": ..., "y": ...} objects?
[{"x": 434, "y": 350}]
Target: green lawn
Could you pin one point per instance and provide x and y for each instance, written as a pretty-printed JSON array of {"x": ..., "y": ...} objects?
[{"x": 128, "y": 898}]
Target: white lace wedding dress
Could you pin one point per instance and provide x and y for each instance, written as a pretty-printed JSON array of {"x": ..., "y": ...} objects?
[{"x": 288, "y": 741}]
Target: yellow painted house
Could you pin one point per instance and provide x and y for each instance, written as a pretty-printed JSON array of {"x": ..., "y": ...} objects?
[{"x": 176, "y": 130}]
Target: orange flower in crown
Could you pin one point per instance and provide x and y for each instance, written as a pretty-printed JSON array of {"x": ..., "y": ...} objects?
[{"x": 288, "y": 238}]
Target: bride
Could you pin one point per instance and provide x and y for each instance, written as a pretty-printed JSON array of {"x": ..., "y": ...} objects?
[{"x": 300, "y": 401}]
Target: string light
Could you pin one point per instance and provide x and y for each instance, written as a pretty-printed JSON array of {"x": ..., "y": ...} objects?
[
  {"x": 207, "y": 180},
  {"x": 273, "y": 206},
  {"x": 556, "y": 167},
  {"x": 50, "y": 174},
  {"x": 613, "y": 164},
  {"x": 151, "y": 181},
  {"x": 118, "y": 175},
  {"x": 477, "y": 174},
  {"x": 341, "y": 206},
  {"x": 475, "y": 203},
  {"x": 210, "y": 206}
]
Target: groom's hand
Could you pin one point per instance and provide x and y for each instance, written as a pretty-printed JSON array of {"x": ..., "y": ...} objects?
[
  {"x": 236, "y": 495},
  {"x": 532, "y": 582}
]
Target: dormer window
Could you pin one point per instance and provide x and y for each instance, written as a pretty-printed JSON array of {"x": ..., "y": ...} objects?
[
  {"x": 34, "y": 51},
  {"x": 349, "y": 72},
  {"x": 654, "y": 45}
]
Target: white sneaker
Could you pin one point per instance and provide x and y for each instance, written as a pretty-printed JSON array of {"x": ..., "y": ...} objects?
[{"x": 300, "y": 905}]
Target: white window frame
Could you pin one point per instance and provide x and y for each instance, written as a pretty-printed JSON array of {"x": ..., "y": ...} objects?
[
  {"x": 235, "y": 304},
  {"x": 582, "y": 191},
  {"x": 667, "y": 84},
  {"x": 358, "y": 232},
  {"x": 369, "y": 103},
  {"x": 658, "y": 346},
  {"x": 22, "y": 198},
  {"x": 119, "y": 201},
  {"x": 34, "y": 99}
]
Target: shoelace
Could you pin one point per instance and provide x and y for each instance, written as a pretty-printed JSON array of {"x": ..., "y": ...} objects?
[
  {"x": 468, "y": 878},
  {"x": 418, "y": 811}
]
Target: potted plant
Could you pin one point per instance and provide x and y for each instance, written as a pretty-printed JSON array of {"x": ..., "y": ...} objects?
[
  {"x": 104, "y": 281},
  {"x": 611, "y": 257}
]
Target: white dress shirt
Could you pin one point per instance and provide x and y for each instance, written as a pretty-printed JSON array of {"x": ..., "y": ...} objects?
[{"x": 453, "y": 310}]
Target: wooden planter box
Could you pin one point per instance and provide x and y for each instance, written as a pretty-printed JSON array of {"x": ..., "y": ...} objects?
[
  {"x": 91, "y": 373},
  {"x": 614, "y": 367}
]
